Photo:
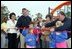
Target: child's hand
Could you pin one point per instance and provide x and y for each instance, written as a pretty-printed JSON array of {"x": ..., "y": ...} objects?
[
  {"x": 42, "y": 32},
  {"x": 52, "y": 29}
]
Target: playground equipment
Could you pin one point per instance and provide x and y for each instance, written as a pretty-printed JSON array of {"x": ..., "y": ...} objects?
[
  {"x": 60, "y": 6},
  {"x": 67, "y": 3}
]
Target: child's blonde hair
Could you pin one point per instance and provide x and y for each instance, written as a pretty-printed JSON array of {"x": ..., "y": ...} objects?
[{"x": 59, "y": 23}]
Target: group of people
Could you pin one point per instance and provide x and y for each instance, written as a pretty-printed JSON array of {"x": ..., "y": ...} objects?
[{"x": 54, "y": 32}]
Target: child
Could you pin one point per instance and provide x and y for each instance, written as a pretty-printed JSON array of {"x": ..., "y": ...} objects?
[
  {"x": 30, "y": 38},
  {"x": 58, "y": 38},
  {"x": 63, "y": 35},
  {"x": 37, "y": 32}
]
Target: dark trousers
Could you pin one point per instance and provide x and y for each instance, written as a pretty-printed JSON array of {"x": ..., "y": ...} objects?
[
  {"x": 18, "y": 42},
  {"x": 12, "y": 40},
  {"x": 40, "y": 41}
]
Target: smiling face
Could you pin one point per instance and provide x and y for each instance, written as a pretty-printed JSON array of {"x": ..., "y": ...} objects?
[
  {"x": 13, "y": 17},
  {"x": 61, "y": 17},
  {"x": 59, "y": 23}
]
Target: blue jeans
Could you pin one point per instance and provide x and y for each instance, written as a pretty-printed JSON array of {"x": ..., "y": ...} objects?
[{"x": 3, "y": 40}]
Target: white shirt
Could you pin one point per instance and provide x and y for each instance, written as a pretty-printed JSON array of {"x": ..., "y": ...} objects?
[{"x": 11, "y": 26}]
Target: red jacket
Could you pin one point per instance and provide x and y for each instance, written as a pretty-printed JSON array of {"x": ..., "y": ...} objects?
[{"x": 36, "y": 31}]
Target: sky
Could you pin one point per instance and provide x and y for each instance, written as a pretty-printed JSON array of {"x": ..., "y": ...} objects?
[{"x": 33, "y": 6}]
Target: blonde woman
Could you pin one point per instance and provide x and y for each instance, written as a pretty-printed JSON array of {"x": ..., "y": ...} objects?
[{"x": 3, "y": 31}]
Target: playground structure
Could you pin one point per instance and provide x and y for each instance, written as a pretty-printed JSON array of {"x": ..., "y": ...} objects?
[
  {"x": 60, "y": 6},
  {"x": 67, "y": 3}
]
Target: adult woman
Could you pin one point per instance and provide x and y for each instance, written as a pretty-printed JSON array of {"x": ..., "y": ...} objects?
[
  {"x": 3, "y": 31},
  {"x": 45, "y": 33},
  {"x": 12, "y": 34}
]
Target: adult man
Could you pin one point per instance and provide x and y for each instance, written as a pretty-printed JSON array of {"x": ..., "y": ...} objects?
[
  {"x": 23, "y": 24},
  {"x": 65, "y": 27},
  {"x": 64, "y": 19}
]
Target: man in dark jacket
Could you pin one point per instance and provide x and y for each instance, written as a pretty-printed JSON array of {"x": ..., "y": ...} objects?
[
  {"x": 23, "y": 25},
  {"x": 24, "y": 20},
  {"x": 62, "y": 18},
  {"x": 65, "y": 27}
]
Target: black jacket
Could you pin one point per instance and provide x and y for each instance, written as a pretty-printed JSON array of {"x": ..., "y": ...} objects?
[
  {"x": 66, "y": 26},
  {"x": 23, "y": 21}
]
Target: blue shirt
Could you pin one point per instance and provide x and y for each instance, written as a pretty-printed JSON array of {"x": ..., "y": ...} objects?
[
  {"x": 23, "y": 21},
  {"x": 25, "y": 32},
  {"x": 30, "y": 39},
  {"x": 58, "y": 38}
]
